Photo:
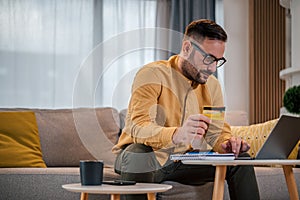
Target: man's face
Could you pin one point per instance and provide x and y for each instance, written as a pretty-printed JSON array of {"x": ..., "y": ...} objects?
[{"x": 193, "y": 66}]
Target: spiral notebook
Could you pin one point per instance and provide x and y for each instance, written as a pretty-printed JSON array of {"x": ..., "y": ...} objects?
[{"x": 206, "y": 155}]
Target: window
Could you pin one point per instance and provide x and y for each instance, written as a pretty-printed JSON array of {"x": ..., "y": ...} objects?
[{"x": 44, "y": 43}]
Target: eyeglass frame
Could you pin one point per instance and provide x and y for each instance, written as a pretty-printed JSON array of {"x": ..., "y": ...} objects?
[{"x": 205, "y": 55}]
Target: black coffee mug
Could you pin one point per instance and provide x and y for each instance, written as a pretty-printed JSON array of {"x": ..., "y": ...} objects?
[{"x": 91, "y": 172}]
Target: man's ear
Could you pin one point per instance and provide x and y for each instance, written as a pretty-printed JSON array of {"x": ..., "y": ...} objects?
[{"x": 186, "y": 48}]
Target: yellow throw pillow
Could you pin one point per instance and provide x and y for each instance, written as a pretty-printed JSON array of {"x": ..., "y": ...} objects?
[
  {"x": 19, "y": 140},
  {"x": 257, "y": 134}
]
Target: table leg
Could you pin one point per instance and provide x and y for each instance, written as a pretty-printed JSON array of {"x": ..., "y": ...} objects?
[
  {"x": 291, "y": 182},
  {"x": 218, "y": 192},
  {"x": 115, "y": 197},
  {"x": 151, "y": 196},
  {"x": 84, "y": 196}
]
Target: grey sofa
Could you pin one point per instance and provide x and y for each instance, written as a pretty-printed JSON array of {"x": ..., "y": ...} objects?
[{"x": 68, "y": 136}]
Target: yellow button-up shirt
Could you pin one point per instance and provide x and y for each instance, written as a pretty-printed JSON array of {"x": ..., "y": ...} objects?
[{"x": 162, "y": 98}]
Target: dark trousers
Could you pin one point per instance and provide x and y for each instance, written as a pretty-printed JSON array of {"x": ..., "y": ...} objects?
[{"x": 137, "y": 162}]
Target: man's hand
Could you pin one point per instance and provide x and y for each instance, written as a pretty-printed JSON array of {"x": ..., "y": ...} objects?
[
  {"x": 235, "y": 145},
  {"x": 195, "y": 124}
]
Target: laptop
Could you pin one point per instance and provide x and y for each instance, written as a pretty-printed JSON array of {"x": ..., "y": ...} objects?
[{"x": 282, "y": 139}]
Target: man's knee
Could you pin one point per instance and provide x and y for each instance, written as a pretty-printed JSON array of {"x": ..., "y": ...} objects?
[
  {"x": 138, "y": 148},
  {"x": 136, "y": 158}
]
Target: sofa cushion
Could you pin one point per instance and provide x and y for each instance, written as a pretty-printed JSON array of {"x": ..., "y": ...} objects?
[
  {"x": 19, "y": 140},
  {"x": 237, "y": 118},
  {"x": 70, "y": 135}
]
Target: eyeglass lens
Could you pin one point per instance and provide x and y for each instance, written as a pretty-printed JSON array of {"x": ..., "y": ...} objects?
[{"x": 208, "y": 59}]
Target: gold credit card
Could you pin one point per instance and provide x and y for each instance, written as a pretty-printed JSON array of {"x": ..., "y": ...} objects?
[{"x": 214, "y": 112}]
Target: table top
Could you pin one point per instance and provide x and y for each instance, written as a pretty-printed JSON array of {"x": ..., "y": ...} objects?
[
  {"x": 138, "y": 188},
  {"x": 243, "y": 162}
]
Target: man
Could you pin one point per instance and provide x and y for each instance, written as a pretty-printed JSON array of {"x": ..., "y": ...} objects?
[{"x": 164, "y": 117}]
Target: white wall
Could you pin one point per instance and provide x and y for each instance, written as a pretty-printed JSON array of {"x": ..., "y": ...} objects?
[
  {"x": 292, "y": 73},
  {"x": 236, "y": 70}
]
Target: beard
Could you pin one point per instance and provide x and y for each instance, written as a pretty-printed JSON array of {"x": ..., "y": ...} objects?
[{"x": 190, "y": 71}]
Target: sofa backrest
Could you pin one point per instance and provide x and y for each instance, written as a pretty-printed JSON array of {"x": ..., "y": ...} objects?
[{"x": 70, "y": 135}]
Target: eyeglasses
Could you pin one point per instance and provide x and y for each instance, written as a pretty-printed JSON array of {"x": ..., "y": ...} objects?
[{"x": 208, "y": 58}]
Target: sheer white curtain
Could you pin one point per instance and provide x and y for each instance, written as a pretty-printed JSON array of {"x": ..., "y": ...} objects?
[
  {"x": 43, "y": 45},
  {"x": 122, "y": 20},
  {"x": 219, "y": 14}
]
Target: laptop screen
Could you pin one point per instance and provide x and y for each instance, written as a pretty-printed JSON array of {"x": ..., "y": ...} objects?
[{"x": 282, "y": 139}]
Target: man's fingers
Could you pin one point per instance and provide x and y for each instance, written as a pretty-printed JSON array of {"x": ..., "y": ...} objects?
[
  {"x": 233, "y": 144},
  {"x": 195, "y": 125},
  {"x": 198, "y": 125},
  {"x": 236, "y": 146},
  {"x": 199, "y": 131},
  {"x": 200, "y": 117},
  {"x": 245, "y": 146},
  {"x": 227, "y": 147}
]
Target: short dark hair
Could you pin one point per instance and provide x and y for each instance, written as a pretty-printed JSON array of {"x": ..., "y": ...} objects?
[{"x": 204, "y": 28}]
